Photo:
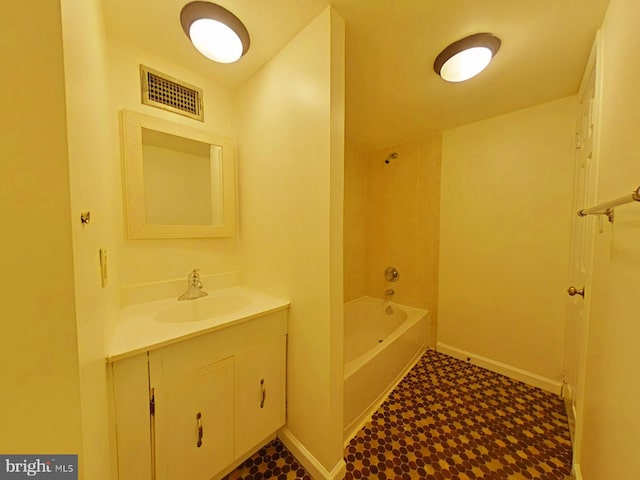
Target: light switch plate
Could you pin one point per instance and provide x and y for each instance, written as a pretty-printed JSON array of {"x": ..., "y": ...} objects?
[{"x": 103, "y": 267}]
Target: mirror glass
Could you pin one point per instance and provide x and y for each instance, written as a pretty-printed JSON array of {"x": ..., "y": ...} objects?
[{"x": 180, "y": 182}]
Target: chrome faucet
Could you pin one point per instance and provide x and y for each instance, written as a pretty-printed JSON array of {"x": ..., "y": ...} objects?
[
  {"x": 194, "y": 287},
  {"x": 388, "y": 293}
]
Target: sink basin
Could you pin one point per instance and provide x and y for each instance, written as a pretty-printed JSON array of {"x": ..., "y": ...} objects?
[
  {"x": 204, "y": 308},
  {"x": 146, "y": 326}
]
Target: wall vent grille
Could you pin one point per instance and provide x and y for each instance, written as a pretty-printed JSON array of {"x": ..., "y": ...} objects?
[{"x": 162, "y": 91}]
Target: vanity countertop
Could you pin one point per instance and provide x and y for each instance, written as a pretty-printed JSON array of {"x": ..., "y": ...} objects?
[{"x": 147, "y": 326}]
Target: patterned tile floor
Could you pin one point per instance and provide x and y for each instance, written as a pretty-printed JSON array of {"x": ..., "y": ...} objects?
[
  {"x": 271, "y": 461},
  {"x": 447, "y": 419}
]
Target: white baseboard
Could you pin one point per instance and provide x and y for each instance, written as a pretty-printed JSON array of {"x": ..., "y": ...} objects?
[
  {"x": 308, "y": 461},
  {"x": 576, "y": 472},
  {"x": 570, "y": 409},
  {"x": 240, "y": 460},
  {"x": 529, "y": 378}
]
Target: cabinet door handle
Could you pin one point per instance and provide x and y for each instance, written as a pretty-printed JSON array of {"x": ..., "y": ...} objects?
[
  {"x": 263, "y": 393},
  {"x": 200, "y": 432}
]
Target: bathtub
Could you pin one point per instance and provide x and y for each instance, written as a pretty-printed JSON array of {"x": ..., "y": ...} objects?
[{"x": 379, "y": 348}]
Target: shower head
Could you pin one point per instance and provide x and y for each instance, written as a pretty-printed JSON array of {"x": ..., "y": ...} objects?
[{"x": 391, "y": 156}]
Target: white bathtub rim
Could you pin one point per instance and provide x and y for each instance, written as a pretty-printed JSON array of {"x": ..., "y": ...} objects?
[
  {"x": 414, "y": 315},
  {"x": 354, "y": 365},
  {"x": 367, "y": 298}
]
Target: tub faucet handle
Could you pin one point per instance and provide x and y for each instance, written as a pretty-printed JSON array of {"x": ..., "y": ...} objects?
[
  {"x": 391, "y": 274},
  {"x": 389, "y": 292}
]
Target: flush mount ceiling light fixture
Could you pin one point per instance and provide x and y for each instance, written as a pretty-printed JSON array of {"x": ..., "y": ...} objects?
[
  {"x": 467, "y": 57},
  {"x": 216, "y": 32}
]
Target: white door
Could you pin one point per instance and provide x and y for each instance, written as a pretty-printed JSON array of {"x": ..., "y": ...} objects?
[{"x": 582, "y": 233}]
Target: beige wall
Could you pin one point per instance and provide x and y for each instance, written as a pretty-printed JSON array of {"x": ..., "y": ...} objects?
[
  {"x": 355, "y": 223},
  {"x": 504, "y": 237},
  {"x": 403, "y": 208},
  {"x": 144, "y": 261},
  {"x": 102, "y": 79},
  {"x": 291, "y": 162},
  {"x": 95, "y": 185},
  {"x": 40, "y": 400},
  {"x": 611, "y": 432}
]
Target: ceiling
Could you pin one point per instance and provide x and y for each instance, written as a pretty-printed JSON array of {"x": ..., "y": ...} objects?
[{"x": 392, "y": 93}]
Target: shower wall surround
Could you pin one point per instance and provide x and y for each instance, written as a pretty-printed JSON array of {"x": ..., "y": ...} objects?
[
  {"x": 392, "y": 215},
  {"x": 403, "y": 218},
  {"x": 355, "y": 223}
]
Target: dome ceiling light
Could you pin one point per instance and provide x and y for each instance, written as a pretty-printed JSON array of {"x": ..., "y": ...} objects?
[
  {"x": 216, "y": 32},
  {"x": 467, "y": 57}
]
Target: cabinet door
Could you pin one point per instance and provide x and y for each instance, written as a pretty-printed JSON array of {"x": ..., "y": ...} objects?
[
  {"x": 260, "y": 382},
  {"x": 193, "y": 423}
]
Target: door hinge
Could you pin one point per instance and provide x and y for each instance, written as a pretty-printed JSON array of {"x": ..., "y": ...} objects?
[
  {"x": 152, "y": 403},
  {"x": 578, "y": 140}
]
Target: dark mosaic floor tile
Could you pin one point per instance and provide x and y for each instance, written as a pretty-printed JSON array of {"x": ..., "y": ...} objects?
[
  {"x": 447, "y": 419},
  {"x": 272, "y": 461}
]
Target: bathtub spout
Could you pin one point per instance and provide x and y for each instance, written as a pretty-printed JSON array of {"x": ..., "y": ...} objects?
[{"x": 388, "y": 294}]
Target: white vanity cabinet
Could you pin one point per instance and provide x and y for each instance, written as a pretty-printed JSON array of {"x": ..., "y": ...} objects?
[
  {"x": 192, "y": 409},
  {"x": 260, "y": 376},
  {"x": 193, "y": 423}
]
